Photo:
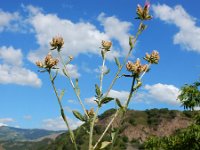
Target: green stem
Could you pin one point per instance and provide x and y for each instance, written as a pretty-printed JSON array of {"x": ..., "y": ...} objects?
[
  {"x": 124, "y": 62},
  {"x": 113, "y": 82},
  {"x": 97, "y": 110},
  {"x": 72, "y": 84},
  {"x": 62, "y": 112},
  {"x": 108, "y": 126}
]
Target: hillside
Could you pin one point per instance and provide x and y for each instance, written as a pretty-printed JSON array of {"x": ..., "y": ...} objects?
[
  {"x": 137, "y": 127},
  {"x": 17, "y": 134}
]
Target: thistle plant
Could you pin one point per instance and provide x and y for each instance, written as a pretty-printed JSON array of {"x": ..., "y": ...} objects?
[{"x": 136, "y": 70}]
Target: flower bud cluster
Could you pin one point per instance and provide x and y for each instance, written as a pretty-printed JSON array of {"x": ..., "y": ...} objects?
[
  {"x": 90, "y": 112},
  {"x": 137, "y": 68},
  {"x": 106, "y": 45},
  {"x": 57, "y": 43},
  {"x": 152, "y": 58},
  {"x": 49, "y": 62},
  {"x": 143, "y": 13}
]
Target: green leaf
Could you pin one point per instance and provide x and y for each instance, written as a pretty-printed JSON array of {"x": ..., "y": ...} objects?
[
  {"x": 106, "y": 72},
  {"x": 117, "y": 62},
  {"x": 77, "y": 87},
  {"x": 61, "y": 94},
  {"x": 106, "y": 100},
  {"x": 65, "y": 73},
  {"x": 119, "y": 103},
  {"x": 78, "y": 115},
  {"x": 55, "y": 75},
  {"x": 76, "y": 84},
  {"x": 105, "y": 144},
  {"x": 131, "y": 42},
  {"x": 97, "y": 90}
]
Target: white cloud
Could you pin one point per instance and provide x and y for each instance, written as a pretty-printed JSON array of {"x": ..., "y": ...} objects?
[
  {"x": 59, "y": 124},
  {"x": 80, "y": 37},
  {"x": 189, "y": 33},
  {"x": 27, "y": 117},
  {"x": 90, "y": 100},
  {"x": 2, "y": 124},
  {"x": 98, "y": 70},
  {"x": 116, "y": 29},
  {"x": 163, "y": 93},
  {"x": 121, "y": 95},
  {"x": 7, "y": 21},
  {"x": 12, "y": 70},
  {"x": 6, "y": 121},
  {"x": 11, "y": 56},
  {"x": 73, "y": 71}
]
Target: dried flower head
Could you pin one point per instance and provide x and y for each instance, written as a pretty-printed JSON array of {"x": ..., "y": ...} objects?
[
  {"x": 50, "y": 62},
  {"x": 70, "y": 57},
  {"x": 143, "y": 13},
  {"x": 106, "y": 45},
  {"x": 57, "y": 43},
  {"x": 137, "y": 68},
  {"x": 39, "y": 64},
  {"x": 90, "y": 112},
  {"x": 152, "y": 58}
]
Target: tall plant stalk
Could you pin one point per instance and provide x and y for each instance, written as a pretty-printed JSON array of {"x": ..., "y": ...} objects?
[{"x": 62, "y": 111}]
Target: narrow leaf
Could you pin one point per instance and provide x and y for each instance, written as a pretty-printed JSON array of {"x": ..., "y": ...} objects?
[
  {"x": 106, "y": 72},
  {"x": 119, "y": 103},
  {"x": 97, "y": 90},
  {"x": 61, "y": 94},
  {"x": 77, "y": 87},
  {"x": 65, "y": 73},
  {"x": 106, "y": 100},
  {"x": 102, "y": 54},
  {"x": 55, "y": 75},
  {"x": 78, "y": 115},
  {"x": 117, "y": 62},
  {"x": 105, "y": 144}
]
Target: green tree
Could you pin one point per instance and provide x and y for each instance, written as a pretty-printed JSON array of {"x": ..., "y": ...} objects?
[{"x": 190, "y": 95}]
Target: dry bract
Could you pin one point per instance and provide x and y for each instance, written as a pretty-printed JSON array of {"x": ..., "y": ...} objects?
[
  {"x": 143, "y": 13},
  {"x": 57, "y": 43},
  {"x": 152, "y": 58},
  {"x": 137, "y": 68},
  {"x": 49, "y": 62},
  {"x": 106, "y": 45}
]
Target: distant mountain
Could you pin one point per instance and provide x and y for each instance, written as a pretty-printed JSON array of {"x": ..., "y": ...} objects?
[
  {"x": 16, "y": 134},
  {"x": 136, "y": 128}
]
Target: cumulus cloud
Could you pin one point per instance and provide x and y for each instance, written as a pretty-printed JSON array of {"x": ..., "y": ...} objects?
[
  {"x": 12, "y": 70},
  {"x": 116, "y": 29},
  {"x": 59, "y": 124},
  {"x": 163, "y": 93},
  {"x": 80, "y": 37},
  {"x": 90, "y": 100},
  {"x": 121, "y": 95},
  {"x": 5, "y": 121},
  {"x": 189, "y": 33},
  {"x": 8, "y": 20}
]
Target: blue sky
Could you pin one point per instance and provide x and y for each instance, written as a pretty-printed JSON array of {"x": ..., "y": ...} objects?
[{"x": 26, "y": 28}]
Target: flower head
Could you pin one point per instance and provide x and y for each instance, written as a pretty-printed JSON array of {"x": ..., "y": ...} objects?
[
  {"x": 137, "y": 68},
  {"x": 143, "y": 13},
  {"x": 152, "y": 58},
  {"x": 57, "y": 43},
  {"x": 39, "y": 64},
  {"x": 90, "y": 112},
  {"x": 49, "y": 62},
  {"x": 106, "y": 45}
]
